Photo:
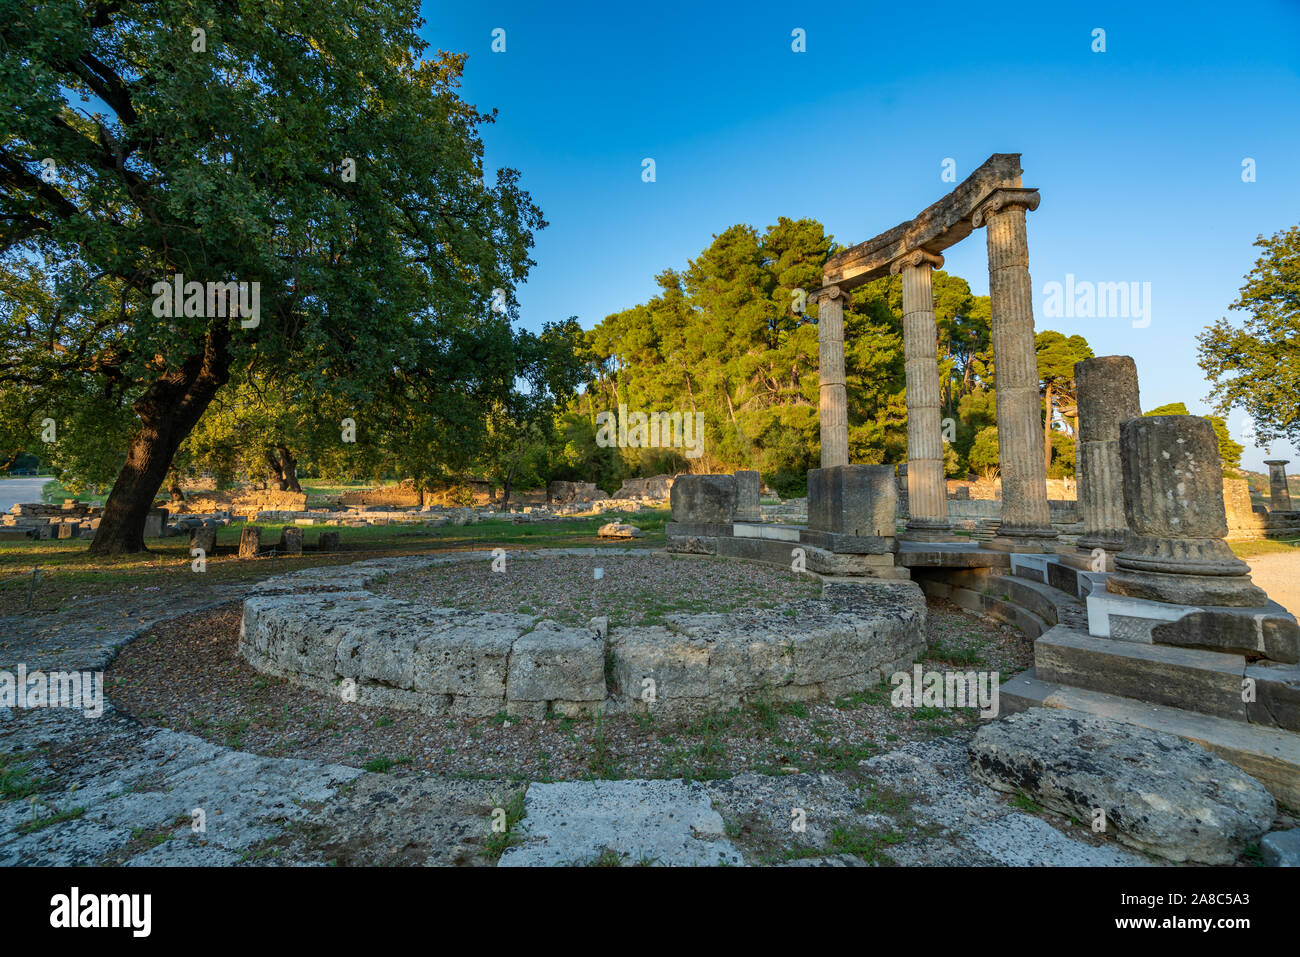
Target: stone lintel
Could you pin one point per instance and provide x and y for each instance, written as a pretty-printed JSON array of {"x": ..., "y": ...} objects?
[
  {"x": 940, "y": 225},
  {"x": 849, "y": 544}
]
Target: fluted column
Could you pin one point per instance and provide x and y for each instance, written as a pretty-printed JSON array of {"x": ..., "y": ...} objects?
[
  {"x": 834, "y": 405},
  {"x": 927, "y": 491},
  {"x": 1173, "y": 501},
  {"x": 1026, "y": 518},
  {"x": 1107, "y": 396},
  {"x": 1279, "y": 494}
]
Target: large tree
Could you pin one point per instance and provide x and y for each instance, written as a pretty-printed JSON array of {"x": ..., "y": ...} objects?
[
  {"x": 307, "y": 147},
  {"x": 1256, "y": 367},
  {"x": 1057, "y": 354}
]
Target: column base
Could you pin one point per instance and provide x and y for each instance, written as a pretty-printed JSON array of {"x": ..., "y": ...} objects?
[
  {"x": 1233, "y": 591},
  {"x": 1024, "y": 540},
  {"x": 1083, "y": 558},
  {"x": 922, "y": 531}
]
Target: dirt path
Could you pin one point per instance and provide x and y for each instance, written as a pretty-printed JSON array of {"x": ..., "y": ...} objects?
[{"x": 1279, "y": 575}]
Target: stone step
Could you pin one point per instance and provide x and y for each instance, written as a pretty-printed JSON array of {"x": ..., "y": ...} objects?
[
  {"x": 1003, "y": 609},
  {"x": 1188, "y": 678},
  {"x": 1267, "y": 754}
]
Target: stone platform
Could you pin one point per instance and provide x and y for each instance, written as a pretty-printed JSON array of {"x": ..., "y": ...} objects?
[{"x": 321, "y": 629}]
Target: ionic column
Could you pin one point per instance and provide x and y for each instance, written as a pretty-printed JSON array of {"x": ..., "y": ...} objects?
[
  {"x": 1026, "y": 518},
  {"x": 834, "y": 407},
  {"x": 1279, "y": 495},
  {"x": 927, "y": 492},
  {"x": 1107, "y": 396},
  {"x": 1173, "y": 501}
]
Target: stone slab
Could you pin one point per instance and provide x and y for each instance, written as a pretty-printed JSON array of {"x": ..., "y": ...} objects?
[{"x": 660, "y": 823}]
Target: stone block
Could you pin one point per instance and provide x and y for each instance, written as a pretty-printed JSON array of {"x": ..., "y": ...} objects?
[
  {"x": 747, "y": 497},
  {"x": 1275, "y": 637},
  {"x": 554, "y": 662},
  {"x": 250, "y": 540},
  {"x": 1188, "y": 805},
  {"x": 704, "y": 498},
  {"x": 853, "y": 500},
  {"x": 204, "y": 538},
  {"x": 328, "y": 542},
  {"x": 155, "y": 522},
  {"x": 291, "y": 540}
]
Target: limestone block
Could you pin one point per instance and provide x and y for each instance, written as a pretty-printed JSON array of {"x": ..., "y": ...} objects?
[
  {"x": 250, "y": 539},
  {"x": 291, "y": 540},
  {"x": 704, "y": 498},
  {"x": 556, "y": 662},
  {"x": 1188, "y": 805},
  {"x": 853, "y": 500}
]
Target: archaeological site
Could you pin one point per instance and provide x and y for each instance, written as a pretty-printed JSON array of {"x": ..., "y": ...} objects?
[{"x": 328, "y": 541}]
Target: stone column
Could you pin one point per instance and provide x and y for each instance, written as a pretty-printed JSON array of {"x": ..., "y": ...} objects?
[
  {"x": 1026, "y": 518},
  {"x": 927, "y": 491},
  {"x": 1279, "y": 495},
  {"x": 834, "y": 411},
  {"x": 1173, "y": 501},
  {"x": 1108, "y": 396}
]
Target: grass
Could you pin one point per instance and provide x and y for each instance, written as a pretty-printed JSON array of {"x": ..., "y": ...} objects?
[
  {"x": 58, "y": 817},
  {"x": 17, "y": 779},
  {"x": 1265, "y": 546},
  {"x": 67, "y": 568},
  {"x": 499, "y": 839}
]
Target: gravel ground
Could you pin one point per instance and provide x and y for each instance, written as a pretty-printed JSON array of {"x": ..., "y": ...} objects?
[
  {"x": 185, "y": 674},
  {"x": 632, "y": 590}
]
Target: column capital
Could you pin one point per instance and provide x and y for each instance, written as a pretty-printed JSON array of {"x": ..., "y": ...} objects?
[
  {"x": 915, "y": 257},
  {"x": 1003, "y": 198},
  {"x": 1277, "y": 461},
  {"x": 828, "y": 292}
]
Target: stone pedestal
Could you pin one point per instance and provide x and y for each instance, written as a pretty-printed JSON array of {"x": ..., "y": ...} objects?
[
  {"x": 1279, "y": 494},
  {"x": 834, "y": 407},
  {"x": 291, "y": 540},
  {"x": 856, "y": 500},
  {"x": 1173, "y": 503},
  {"x": 1108, "y": 396},
  {"x": 1026, "y": 518},
  {"x": 927, "y": 491},
  {"x": 250, "y": 540},
  {"x": 747, "y": 496},
  {"x": 704, "y": 498},
  {"x": 155, "y": 523},
  {"x": 204, "y": 538}
]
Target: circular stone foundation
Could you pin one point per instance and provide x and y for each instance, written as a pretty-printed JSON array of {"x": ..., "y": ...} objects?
[{"x": 321, "y": 628}]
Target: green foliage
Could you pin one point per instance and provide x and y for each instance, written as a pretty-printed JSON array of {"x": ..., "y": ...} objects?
[
  {"x": 1256, "y": 367},
  {"x": 228, "y": 164},
  {"x": 1229, "y": 450},
  {"x": 726, "y": 338},
  {"x": 984, "y": 451}
]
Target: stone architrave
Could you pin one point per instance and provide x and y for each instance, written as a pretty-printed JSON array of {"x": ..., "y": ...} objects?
[
  {"x": 1173, "y": 502},
  {"x": 1279, "y": 494},
  {"x": 834, "y": 404},
  {"x": 1026, "y": 517},
  {"x": 250, "y": 540},
  {"x": 747, "y": 496},
  {"x": 927, "y": 490},
  {"x": 1107, "y": 396}
]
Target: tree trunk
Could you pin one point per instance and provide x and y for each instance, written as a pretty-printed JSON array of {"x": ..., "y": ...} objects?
[
  {"x": 505, "y": 490},
  {"x": 168, "y": 412},
  {"x": 288, "y": 469}
]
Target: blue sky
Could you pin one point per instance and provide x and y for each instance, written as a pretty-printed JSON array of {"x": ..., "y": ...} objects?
[{"x": 1137, "y": 151}]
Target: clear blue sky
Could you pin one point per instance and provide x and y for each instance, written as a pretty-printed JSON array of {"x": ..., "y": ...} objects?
[{"x": 1137, "y": 151}]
